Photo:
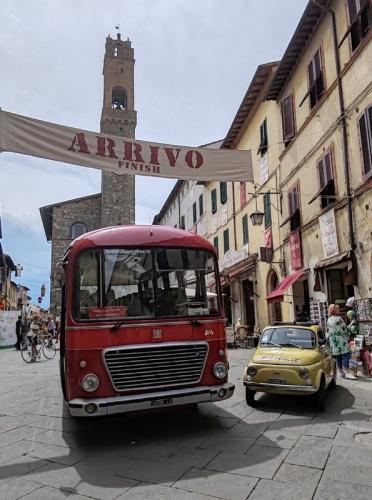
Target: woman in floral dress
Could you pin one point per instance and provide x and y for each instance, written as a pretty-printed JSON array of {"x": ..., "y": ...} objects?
[{"x": 338, "y": 337}]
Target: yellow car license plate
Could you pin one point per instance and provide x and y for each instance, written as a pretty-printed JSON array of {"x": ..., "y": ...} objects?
[{"x": 279, "y": 381}]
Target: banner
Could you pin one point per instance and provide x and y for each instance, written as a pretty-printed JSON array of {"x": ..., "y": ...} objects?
[
  {"x": 20, "y": 134},
  {"x": 328, "y": 231}
]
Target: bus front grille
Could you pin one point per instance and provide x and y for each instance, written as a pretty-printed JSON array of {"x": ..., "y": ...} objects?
[{"x": 153, "y": 366}]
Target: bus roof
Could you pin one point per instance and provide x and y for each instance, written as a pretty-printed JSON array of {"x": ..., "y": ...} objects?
[{"x": 137, "y": 236}]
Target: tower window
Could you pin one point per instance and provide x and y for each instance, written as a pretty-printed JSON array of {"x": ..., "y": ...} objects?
[
  {"x": 77, "y": 229},
  {"x": 119, "y": 98},
  {"x": 116, "y": 51}
]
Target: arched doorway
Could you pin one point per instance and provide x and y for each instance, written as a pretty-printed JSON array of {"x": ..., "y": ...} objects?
[{"x": 275, "y": 308}]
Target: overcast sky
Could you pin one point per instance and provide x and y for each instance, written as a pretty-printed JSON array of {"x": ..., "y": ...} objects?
[{"x": 194, "y": 62}]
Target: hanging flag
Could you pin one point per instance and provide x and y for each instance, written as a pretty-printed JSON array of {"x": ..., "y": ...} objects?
[{"x": 121, "y": 155}]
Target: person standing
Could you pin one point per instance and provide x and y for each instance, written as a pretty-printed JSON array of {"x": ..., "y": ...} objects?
[
  {"x": 336, "y": 332},
  {"x": 51, "y": 326},
  {"x": 17, "y": 345}
]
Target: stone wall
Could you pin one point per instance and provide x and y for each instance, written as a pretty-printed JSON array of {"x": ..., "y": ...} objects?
[{"x": 87, "y": 211}]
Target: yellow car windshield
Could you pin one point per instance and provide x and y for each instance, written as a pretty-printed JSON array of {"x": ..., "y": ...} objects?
[{"x": 299, "y": 338}]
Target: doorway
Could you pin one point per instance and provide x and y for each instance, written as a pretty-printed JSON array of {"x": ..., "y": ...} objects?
[
  {"x": 248, "y": 301},
  {"x": 275, "y": 308}
]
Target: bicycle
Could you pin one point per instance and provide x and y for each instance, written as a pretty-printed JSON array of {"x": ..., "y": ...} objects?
[{"x": 39, "y": 343}]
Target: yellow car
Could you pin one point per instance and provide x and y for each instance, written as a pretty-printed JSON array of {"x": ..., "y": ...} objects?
[{"x": 291, "y": 358}]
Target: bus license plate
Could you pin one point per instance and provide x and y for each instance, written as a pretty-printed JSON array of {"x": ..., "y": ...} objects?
[
  {"x": 279, "y": 381},
  {"x": 161, "y": 402}
]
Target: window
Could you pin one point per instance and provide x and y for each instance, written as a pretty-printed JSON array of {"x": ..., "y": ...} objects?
[
  {"x": 201, "y": 207},
  {"x": 214, "y": 201},
  {"x": 288, "y": 119},
  {"x": 245, "y": 229},
  {"x": 194, "y": 215},
  {"x": 119, "y": 98},
  {"x": 326, "y": 181},
  {"x": 365, "y": 128},
  {"x": 223, "y": 192},
  {"x": 316, "y": 79},
  {"x": 122, "y": 283},
  {"x": 226, "y": 243},
  {"x": 215, "y": 243},
  {"x": 267, "y": 209},
  {"x": 243, "y": 194},
  {"x": 182, "y": 224},
  {"x": 77, "y": 229},
  {"x": 263, "y": 138},
  {"x": 359, "y": 21},
  {"x": 294, "y": 207}
]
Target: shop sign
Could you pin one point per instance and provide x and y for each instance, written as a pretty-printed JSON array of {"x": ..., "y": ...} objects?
[
  {"x": 328, "y": 231},
  {"x": 232, "y": 257},
  {"x": 295, "y": 250},
  {"x": 264, "y": 169}
]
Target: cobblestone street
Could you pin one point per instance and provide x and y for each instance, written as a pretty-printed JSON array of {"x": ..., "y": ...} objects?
[{"x": 282, "y": 449}]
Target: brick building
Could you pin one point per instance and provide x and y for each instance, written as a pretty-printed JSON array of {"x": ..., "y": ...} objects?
[{"x": 115, "y": 204}]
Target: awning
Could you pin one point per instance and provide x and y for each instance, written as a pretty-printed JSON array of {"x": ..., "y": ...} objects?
[
  {"x": 277, "y": 294},
  {"x": 336, "y": 259},
  {"x": 247, "y": 264},
  {"x": 348, "y": 260}
]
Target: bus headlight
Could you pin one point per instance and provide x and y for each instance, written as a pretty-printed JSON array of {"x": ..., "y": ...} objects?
[
  {"x": 220, "y": 370},
  {"x": 90, "y": 382}
]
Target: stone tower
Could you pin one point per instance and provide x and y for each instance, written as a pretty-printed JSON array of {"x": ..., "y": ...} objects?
[{"x": 118, "y": 118}]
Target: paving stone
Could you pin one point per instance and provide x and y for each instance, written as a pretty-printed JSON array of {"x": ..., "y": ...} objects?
[
  {"x": 275, "y": 490},
  {"x": 54, "y": 453},
  {"x": 53, "y": 423},
  {"x": 288, "y": 473},
  {"x": 222, "y": 485},
  {"x": 310, "y": 451},
  {"x": 259, "y": 461},
  {"x": 16, "y": 488},
  {"x": 47, "y": 493},
  {"x": 331, "y": 490},
  {"x": 145, "y": 491},
  {"x": 281, "y": 438},
  {"x": 95, "y": 482},
  {"x": 14, "y": 450},
  {"x": 227, "y": 444},
  {"x": 18, "y": 434},
  {"x": 350, "y": 464},
  {"x": 321, "y": 429},
  {"x": 56, "y": 437},
  {"x": 19, "y": 466},
  {"x": 261, "y": 417}
]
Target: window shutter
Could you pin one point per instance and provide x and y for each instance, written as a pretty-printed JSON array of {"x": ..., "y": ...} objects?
[
  {"x": 245, "y": 229},
  {"x": 215, "y": 243},
  {"x": 267, "y": 210},
  {"x": 223, "y": 192},
  {"x": 288, "y": 118},
  {"x": 194, "y": 215},
  {"x": 214, "y": 201},
  {"x": 243, "y": 195},
  {"x": 226, "y": 243},
  {"x": 365, "y": 126},
  {"x": 201, "y": 207}
]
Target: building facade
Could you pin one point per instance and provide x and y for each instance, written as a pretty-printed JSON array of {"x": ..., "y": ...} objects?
[
  {"x": 307, "y": 120},
  {"x": 115, "y": 204}
]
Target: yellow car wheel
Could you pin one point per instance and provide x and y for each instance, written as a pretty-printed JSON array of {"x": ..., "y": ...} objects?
[
  {"x": 249, "y": 397},
  {"x": 320, "y": 396}
]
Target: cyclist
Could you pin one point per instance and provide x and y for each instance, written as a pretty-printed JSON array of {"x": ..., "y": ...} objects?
[{"x": 36, "y": 328}]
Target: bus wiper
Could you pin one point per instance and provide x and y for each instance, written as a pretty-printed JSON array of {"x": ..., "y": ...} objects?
[
  {"x": 117, "y": 325},
  {"x": 270, "y": 343}
]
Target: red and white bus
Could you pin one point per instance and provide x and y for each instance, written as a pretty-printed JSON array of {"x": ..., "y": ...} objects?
[{"x": 140, "y": 328}]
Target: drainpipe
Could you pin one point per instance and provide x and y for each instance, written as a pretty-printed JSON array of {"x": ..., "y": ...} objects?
[
  {"x": 234, "y": 216},
  {"x": 343, "y": 124}
]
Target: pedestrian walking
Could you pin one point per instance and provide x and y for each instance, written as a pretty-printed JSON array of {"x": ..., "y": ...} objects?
[
  {"x": 51, "y": 327},
  {"x": 17, "y": 345},
  {"x": 338, "y": 337}
]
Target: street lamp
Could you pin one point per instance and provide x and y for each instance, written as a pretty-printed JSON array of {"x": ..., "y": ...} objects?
[{"x": 256, "y": 217}]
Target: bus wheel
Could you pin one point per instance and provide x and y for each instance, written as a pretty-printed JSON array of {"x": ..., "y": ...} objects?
[{"x": 249, "y": 397}]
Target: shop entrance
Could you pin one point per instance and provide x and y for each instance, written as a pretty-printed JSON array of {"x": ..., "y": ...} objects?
[
  {"x": 338, "y": 290},
  {"x": 275, "y": 308},
  {"x": 248, "y": 300},
  {"x": 226, "y": 293},
  {"x": 301, "y": 300}
]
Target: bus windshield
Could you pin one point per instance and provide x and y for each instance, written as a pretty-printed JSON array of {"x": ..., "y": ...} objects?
[{"x": 117, "y": 283}]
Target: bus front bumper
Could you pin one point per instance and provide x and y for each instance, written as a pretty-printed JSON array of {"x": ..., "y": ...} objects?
[{"x": 96, "y": 407}]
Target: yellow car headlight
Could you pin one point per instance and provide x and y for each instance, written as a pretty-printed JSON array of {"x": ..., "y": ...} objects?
[
  {"x": 252, "y": 371},
  {"x": 304, "y": 373}
]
